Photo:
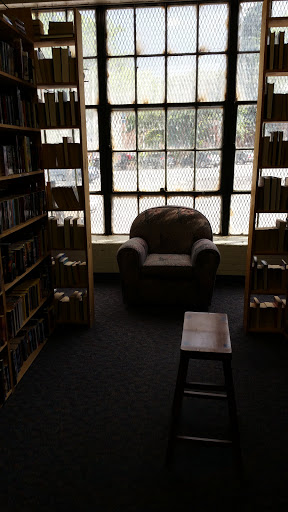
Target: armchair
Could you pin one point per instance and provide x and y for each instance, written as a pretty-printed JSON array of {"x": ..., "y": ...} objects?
[{"x": 170, "y": 258}]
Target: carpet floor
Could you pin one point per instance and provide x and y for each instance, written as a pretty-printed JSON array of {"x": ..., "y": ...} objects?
[{"x": 87, "y": 426}]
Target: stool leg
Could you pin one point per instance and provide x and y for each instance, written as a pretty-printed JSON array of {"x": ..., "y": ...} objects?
[
  {"x": 232, "y": 413},
  {"x": 177, "y": 403}
]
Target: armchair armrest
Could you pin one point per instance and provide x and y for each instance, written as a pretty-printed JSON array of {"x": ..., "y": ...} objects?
[
  {"x": 131, "y": 256},
  {"x": 205, "y": 259}
]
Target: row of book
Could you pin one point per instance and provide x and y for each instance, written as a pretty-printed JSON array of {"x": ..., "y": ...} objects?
[
  {"x": 17, "y": 257},
  {"x": 271, "y": 239},
  {"x": 274, "y": 150},
  {"x": 19, "y": 209},
  {"x": 73, "y": 308},
  {"x": 61, "y": 156},
  {"x": 25, "y": 298},
  {"x": 56, "y": 110},
  {"x": 64, "y": 198},
  {"x": 267, "y": 276},
  {"x": 15, "y": 61},
  {"x": 68, "y": 273},
  {"x": 3, "y": 337},
  {"x": 18, "y": 111},
  {"x": 5, "y": 380},
  {"x": 60, "y": 69},
  {"x": 271, "y": 195},
  {"x": 23, "y": 345},
  {"x": 267, "y": 315},
  {"x": 70, "y": 235},
  {"x": 28, "y": 339},
  {"x": 277, "y": 51},
  {"x": 19, "y": 157},
  {"x": 276, "y": 105},
  {"x": 56, "y": 29},
  {"x": 14, "y": 21}
]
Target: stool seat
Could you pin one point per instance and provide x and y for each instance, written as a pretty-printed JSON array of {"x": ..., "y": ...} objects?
[
  {"x": 206, "y": 332},
  {"x": 205, "y": 336}
]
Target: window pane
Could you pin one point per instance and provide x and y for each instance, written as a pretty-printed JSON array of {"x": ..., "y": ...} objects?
[
  {"x": 209, "y": 128},
  {"x": 151, "y": 167},
  {"x": 150, "y": 30},
  {"x": 181, "y": 128},
  {"x": 124, "y": 211},
  {"x": 181, "y": 76},
  {"x": 97, "y": 214},
  {"x": 180, "y": 171},
  {"x": 88, "y": 19},
  {"x": 181, "y": 201},
  {"x": 150, "y": 79},
  {"x": 212, "y": 77},
  {"x": 150, "y": 202},
  {"x": 121, "y": 81},
  {"x": 267, "y": 220},
  {"x": 94, "y": 171},
  {"x": 212, "y": 39},
  {"x": 239, "y": 214},
  {"x": 124, "y": 172},
  {"x": 280, "y": 84},
  {"x": 249, "y": 32},
  {"x": 243, "y": 169},
  {"x": 247, "y": 77},
  {"x": 123, "y": 130},
  {"x": 91, "y": 81},
  {"x": 211, "y": 207},
  {"x": 120, "y": 31},
  {"x": 279, "y": 8},
  {"x": 208, "y": 170},
  {"x": 181, "y": 29},
  {"x": 56, "y": 136},
  {"x": 246, "y": 123},
  {"x": 92, "y": 129},
  {"x": 151, "y": 126}
]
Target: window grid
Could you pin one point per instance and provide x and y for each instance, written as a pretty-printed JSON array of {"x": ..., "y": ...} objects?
[{"x": 104, "y": 186}]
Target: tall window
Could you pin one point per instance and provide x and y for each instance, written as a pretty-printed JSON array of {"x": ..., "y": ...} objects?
[{"x": 171, "y": 97}]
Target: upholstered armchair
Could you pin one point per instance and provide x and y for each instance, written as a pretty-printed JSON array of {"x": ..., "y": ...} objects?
[{"x": 170, "y": 258}]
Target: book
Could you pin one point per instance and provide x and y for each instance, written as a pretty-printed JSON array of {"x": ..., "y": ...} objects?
[
  {"x": 56, "y": 56},
  {"x": 281, "y": 225},
  {"x": 61, "y": 28},
  {"x": 281, "y": 49},
  {"x": 271, "y": 50},
  {"x": 65, "y": 56},
  {"x": 270, "y": 95}
]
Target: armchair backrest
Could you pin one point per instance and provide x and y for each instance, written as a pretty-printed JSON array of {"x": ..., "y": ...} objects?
[{"x": 171, "y": 229}]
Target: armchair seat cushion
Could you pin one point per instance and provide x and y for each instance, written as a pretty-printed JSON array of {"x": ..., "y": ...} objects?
[{"x": 167, "y": 265}]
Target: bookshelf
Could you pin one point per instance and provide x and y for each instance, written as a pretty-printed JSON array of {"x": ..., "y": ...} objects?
[
  {"x": 265, "y": 308},
  {"x": 60, "y": 83},
  {"x": 26, "y": 307}
]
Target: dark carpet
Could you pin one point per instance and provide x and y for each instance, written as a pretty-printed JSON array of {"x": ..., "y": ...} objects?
[{"x": 87, "y": 426}]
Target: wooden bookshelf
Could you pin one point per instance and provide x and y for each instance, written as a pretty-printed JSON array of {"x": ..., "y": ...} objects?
[
  {"x": 23, "y": 184},
  {"x": 77, "y": 84},
  {"x": 262, "y": 316}
]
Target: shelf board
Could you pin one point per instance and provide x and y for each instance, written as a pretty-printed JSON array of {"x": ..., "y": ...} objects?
[
  {"x": 271, "y": 211},
  {"x": 23, "y": 225},
  {"x": 3, "y": 346},
  {"x": 20, "y": 175},
  {"x": 11, "y": 79},
  {"x": 275, "y": 121},
  {"x": 66, "y": 127},
  {"x": 58, "y": 85},
  {"x": 278, "y": 22},
  {"x": 265, "y": 329},
  {"x": 29, "y": 361},
  {"x": 270, "y": 253},
  {"x": 268, "y": 292},
  {"x": 31, "y": 315},
  {"x": 47, "y": 41},
  {"x": 15, "y": 128},
  {"x": 7, "y": 286},
  {"x": 80, "y": 209},
  {"x": 276, "y": 72}
]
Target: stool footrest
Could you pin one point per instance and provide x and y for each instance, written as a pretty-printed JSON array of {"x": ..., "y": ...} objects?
[
  {"x": 205, "y": 440},
  {"x": 205, "y": 386},
  {"x": 201, "y": 394}
]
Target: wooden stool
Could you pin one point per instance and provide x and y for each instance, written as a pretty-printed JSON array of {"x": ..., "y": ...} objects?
[{"x": 205, "y": 336}]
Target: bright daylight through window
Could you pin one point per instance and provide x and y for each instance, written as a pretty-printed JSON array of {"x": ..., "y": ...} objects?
[{"x": 170, "y": 95}]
